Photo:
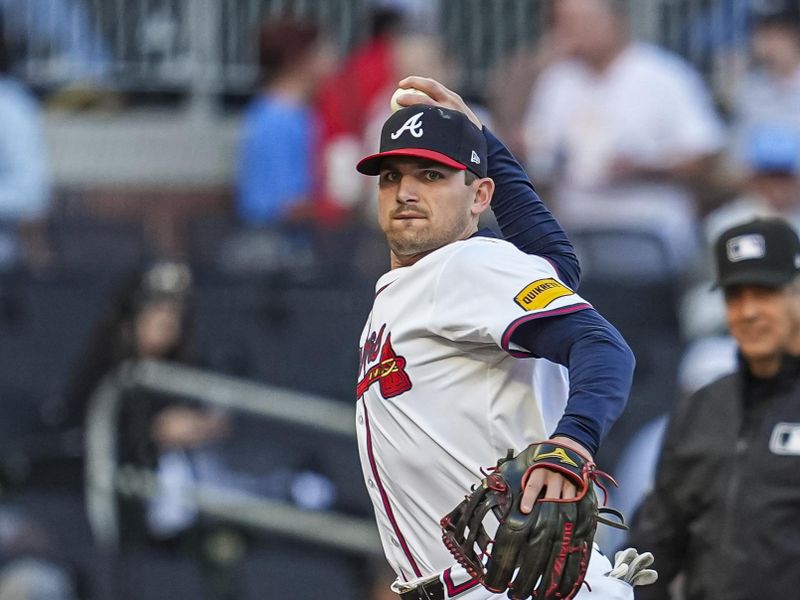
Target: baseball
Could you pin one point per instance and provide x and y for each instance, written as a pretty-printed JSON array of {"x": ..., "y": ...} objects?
[{"x": 400, "y": 91}]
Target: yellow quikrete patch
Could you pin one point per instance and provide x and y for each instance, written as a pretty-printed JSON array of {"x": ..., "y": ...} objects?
[{"x": 540, "y": 293}]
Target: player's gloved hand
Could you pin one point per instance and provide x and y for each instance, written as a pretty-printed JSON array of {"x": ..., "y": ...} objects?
[
  {"x": 631, "y": 567},
  {"x": 543, "y": 552}
]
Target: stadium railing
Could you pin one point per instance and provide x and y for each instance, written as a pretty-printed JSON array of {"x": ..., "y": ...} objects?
[{"x": 107, "y": 478}]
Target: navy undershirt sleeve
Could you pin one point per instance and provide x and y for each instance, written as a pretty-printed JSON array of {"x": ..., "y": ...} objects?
[
  {"x": 523, "y": 218},
  {"x": 600, "y": 367}
]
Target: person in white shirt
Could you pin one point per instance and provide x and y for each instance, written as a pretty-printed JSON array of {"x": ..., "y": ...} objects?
[
  {"x": 25, "y": 179},
  {"x": 770, "y": 93},
  {"x": 619, "y": 130},
  {"x": 24, "y": 176}
]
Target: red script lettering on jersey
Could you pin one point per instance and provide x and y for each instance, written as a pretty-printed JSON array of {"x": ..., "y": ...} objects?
[{"x": 369, "y": 352}]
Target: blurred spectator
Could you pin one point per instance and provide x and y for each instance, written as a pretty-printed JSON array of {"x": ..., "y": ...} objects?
[
  {"x": 402, "y": 40},
  {"x": 724, "y": 511},
  {"x": 620, "y": 130},
  {"x": 150, "y": 320},
  {"x": 345, "y": 100},
  {"x": 64, "y": 31},
  {"x": 277, "y": 179},
  {"x": 275, "y": 170},
  {"x": 771, "y": 185},
  {"x": 24, "y": 172},
  {"x": 770, "y": 95}
]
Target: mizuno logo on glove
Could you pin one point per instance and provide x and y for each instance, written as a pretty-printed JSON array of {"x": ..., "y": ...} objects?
[{"x": 558, "y": 453}]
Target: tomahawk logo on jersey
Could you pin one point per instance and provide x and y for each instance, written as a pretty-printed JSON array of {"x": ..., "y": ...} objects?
[{"x": 389, "y": 372}]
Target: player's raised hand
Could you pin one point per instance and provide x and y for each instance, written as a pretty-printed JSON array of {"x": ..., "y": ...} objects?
[
  {"x": 439, "y": 96},
  {"x": 550, "y": 484}
]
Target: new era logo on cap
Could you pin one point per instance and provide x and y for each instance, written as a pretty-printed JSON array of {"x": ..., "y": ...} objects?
[
  {"x": 433, "y": 133},
  {"x": 746, "y": 247}
]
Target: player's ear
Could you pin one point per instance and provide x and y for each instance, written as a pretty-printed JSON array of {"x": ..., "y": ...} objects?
[{"x": 483, "y": 195}]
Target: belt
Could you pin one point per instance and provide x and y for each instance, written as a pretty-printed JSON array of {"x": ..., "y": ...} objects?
[{"x": 430, "y": 590}]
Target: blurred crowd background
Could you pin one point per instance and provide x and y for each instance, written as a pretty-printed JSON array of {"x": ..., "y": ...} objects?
[{"x": 177, "y": 184}]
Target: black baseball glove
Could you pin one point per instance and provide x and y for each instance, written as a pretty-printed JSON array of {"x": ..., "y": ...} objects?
[{"x": 548, "y": 548}]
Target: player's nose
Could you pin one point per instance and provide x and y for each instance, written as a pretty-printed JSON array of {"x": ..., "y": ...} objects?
[{"x": 407, "y": 191}]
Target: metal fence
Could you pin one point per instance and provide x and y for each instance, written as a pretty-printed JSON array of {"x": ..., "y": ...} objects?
[
  {"x": 206, "y": 46},
  {"x": 156, "y": 45},
  {"x": 108, "y": 477}
]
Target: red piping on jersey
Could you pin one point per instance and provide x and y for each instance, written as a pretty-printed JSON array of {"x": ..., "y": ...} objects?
[
  {"x": 385, "y": 498},
  {"x": 506, "y": 339},
  {"x": 454, "y": 590}
]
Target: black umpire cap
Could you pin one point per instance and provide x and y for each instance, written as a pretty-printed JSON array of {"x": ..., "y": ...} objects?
[
  {"x": 439, "y": 134},
  {"x": 761, "y": 252}
]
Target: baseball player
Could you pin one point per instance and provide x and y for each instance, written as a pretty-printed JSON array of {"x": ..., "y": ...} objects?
[{"x": 467, "y": 341}]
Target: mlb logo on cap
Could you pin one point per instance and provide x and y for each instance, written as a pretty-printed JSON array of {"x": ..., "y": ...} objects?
[
  {"x": 746, "y": 247},
  {"x": 434, "y": 133}
]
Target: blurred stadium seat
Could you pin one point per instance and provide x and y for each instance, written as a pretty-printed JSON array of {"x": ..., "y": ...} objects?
[{"x": 629, "y": 278}]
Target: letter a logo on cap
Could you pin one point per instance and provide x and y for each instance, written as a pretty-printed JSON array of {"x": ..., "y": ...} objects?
[{"x": 413, "y": 126}]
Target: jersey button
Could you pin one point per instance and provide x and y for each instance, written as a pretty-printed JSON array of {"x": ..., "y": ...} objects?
[
  {"x": 360, "y": 419},
  {"x": 395, "y": 543},
  {"x": 371, "y": 483}
]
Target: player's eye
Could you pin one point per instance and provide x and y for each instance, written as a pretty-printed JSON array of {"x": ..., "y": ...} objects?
[
  {"x": 390, "y": 177},
  {"x": 431, "y": 175}
]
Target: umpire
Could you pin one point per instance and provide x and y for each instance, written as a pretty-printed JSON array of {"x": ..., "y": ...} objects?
[{"x": 725, "y": 508}]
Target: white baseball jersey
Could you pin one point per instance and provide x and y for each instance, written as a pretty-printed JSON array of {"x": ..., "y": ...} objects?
[{"x": 441, "y": 392}]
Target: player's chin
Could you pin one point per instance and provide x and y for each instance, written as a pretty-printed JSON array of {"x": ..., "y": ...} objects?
[
  {"x": 405, "y": 234},
  {"x": 409, "y": 244}
]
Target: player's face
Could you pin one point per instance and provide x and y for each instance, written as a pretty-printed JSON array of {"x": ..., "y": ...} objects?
[
  {"x": 423, "y": 205},
  {"x": 763, "y": 320}
]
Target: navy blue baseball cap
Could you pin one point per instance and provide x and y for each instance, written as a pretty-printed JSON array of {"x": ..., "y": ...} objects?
[{"x": 439, "y": 134}]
